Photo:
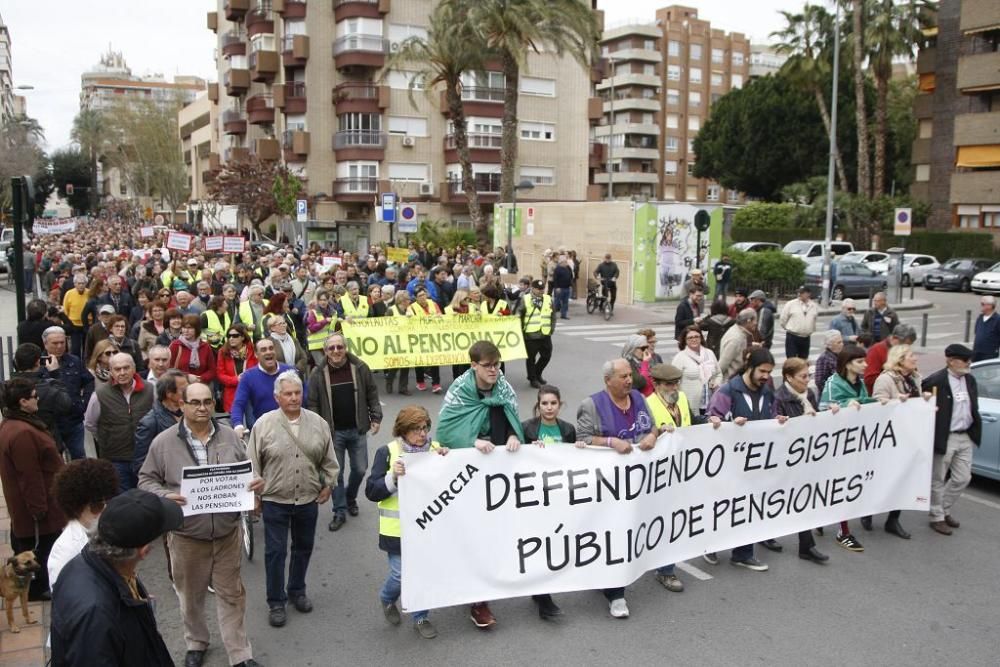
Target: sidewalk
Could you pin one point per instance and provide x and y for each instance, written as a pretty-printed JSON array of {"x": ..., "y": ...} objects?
[
  {"x": 26, "y": 648},
  {"x": 667, "y": 308}
]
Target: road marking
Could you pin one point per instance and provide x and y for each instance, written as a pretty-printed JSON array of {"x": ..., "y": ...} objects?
[
  {"x": 701, "y": 575},
  {"x": 981, "y": 501}
]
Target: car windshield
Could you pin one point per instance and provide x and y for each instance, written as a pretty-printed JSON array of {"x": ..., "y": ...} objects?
[
  {"x": 798, "y": 247},
  {"x": 995, "y": 268},
  {"x": 958, "y": 264},
  {"x": 988, "y": 380}
]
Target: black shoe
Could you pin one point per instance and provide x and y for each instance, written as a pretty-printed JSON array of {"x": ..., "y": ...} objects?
[
  {"x": 352, "y": 509},
  {"x": 277, "y": 616},
  {"x": 302, "y": 603},
  {"x": 404, "y": 392},
  {"x": 893, "y": 526},
  {"x": 547, "y": 608},
  {"x": 773, "y": 545},
  {"x": 336, "y": 522},
  {"x": 194, "y": 658},
  {"x": 814, "y": 554},
  {"x": 535, "y": 384},
  {"x": 248, "y": 663},
  {"x": 542, "y": 380},
  {"x": 866, "y": 523}
]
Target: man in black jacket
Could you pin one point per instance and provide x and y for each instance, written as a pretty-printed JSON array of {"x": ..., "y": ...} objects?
[
  {"x": 101, "y": 613},
  {"x": 53, "y": 399},
  {"x": 957, "y": 428},
  {"x": 689, "y": 311}
]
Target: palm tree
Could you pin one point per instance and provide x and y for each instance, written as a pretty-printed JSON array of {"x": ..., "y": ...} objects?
[
  {"x": 858, "y": 15},
  {"x": 449, "y": 50},
  {"x": 512, "y": 29},
  {"x": 90, "y": 132},
  {"x": 807, "y": 38},
  {"x": 893, "y": 29}
]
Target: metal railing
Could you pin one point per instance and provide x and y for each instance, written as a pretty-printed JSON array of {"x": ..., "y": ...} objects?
[
  {"x": 355, "y": 185},
  {"x": 233, "y": 37},
  {"x": 476, "y": 140},
  {"x": 356, "y": 138},
  {"x": 485, "y": 184},
  {"x": 483, "y": 94},
  {"x": 294, "y": 89},
  {"x": 338, "y": 3},
  {"x": 288, "y": 136},
  {"x": 355, "y": 91},
  {"x": 368, "y": 43}
]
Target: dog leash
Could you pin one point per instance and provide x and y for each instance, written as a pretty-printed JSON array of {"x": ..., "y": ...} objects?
[{"x": 36, "y": 535}]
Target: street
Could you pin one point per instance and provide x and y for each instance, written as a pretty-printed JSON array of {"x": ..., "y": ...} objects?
[{"x": 925, "y": 601}]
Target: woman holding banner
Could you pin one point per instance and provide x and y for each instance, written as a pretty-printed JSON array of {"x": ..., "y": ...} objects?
[
  {"x": 376, "y": 306},
  {"x": 321, "y": 321},
  {"x": 424, "y": 307},
  {"x": 401, "y": 308}
]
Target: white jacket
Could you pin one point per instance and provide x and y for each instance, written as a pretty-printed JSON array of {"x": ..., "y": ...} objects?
[{"x": 799, "y": 318}]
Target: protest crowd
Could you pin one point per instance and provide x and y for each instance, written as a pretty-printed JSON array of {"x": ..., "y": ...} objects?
[{"x": 172, "y": 356}]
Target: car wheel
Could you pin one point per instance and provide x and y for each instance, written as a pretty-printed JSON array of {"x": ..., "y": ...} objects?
[
  {"x": 838, "y": 293},
  {"x": 966, "y": 285},
  {"x": 906, "y": 280}
]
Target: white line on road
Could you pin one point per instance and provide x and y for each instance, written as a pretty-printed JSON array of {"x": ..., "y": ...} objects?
[
  {"x": 981, "y": 501},
  {"x": 693, "y": 571}
]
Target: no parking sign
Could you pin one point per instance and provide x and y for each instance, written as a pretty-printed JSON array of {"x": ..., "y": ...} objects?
[{"x": 407, "y": 219}]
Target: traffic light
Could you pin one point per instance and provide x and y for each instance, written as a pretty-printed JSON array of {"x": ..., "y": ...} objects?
[{"x": 69, "y": 189}]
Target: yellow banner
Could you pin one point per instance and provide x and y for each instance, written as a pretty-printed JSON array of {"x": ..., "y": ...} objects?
[
  {"x": 407, "y": 342},
  {"x": 398, "y": 255}
]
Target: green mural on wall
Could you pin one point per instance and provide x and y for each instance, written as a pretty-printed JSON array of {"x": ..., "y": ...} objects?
[{"x": 664, "y": 253}]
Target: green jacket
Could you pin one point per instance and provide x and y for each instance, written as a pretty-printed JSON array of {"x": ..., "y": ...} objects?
[{"x": 840, "y": 391}]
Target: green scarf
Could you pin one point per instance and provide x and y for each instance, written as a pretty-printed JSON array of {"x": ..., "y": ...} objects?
[{"x": 464, "y": 415}]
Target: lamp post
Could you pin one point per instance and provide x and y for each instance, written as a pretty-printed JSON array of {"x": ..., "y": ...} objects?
[
  {"x": 523, "y": 185},
  {"x": 826, "y": 282},
  {"x": 611, "y": 128}
]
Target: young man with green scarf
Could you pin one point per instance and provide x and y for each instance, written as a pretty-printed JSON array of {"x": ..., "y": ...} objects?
[{"x": 480, "y": 410}]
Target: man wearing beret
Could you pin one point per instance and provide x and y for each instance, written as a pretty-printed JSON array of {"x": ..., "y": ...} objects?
[
  {"x": 957, "y": 428},
  {"x": 101, "y": 612}
]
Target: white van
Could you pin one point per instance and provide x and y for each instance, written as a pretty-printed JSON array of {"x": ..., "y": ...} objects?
[{"x": 812, "y": 251}]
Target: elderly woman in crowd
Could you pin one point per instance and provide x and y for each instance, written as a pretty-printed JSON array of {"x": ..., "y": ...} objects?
[
  {"x": 99, "y": 363},
  {"x": 636, "y": 351},
  {"x": 192, "y": 355},
  {"x": 251, "y": 311},
  {"x": 118, "y": 334},
  {"x": 286, "y": 347},
  {"x": 826, "y": 364},
  {"x": 376, "y": 306},
  {"x": 702, "y": 374}
]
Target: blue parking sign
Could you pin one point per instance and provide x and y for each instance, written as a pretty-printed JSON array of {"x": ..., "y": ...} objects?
[{"x": 388, "y": 207}]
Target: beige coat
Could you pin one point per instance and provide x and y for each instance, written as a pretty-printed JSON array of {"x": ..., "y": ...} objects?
[
  {"x": 291, "y": 475},
  {"x": 691, "y": 382},
  {"x": 799, "y": 318},
  {"x": 731, "y": 352}
]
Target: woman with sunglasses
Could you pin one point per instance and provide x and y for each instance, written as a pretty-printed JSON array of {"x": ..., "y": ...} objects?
[
  {"x": 636, "y": 352},
  {"x": 100, "y": 361},
  {"x": 236, "y": 356}
]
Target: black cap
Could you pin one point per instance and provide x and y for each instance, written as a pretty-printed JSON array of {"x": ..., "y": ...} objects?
[
  {"x": 135, "y": 518},
  {"x": 538, "y": 284},
  {"x": 803, "y": 288},
  {"x": 742, "y": 291},
  {"x": 958, "y": 351}
]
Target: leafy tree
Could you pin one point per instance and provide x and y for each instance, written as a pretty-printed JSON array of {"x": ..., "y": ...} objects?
[
  {"x": 72, "y": 165},
  {"x": 250, "y": 185},
  {"x": 857, "y": 43},
  {"x": 44, "y": 185},
  {"x": 762, "y": 215},
  {"x": 91, "y": 133},
  {"x": 20, "y": 152},
  {"x": 513, "y": 29},
  {"x": 902, "y": 131}
]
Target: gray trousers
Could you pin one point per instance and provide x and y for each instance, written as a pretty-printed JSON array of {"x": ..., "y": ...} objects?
[{"x": 957, "y": 458}]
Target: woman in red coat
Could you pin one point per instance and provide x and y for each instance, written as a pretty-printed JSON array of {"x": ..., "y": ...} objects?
[
  {"x": 192, "y": 355},
  {"x": 236, "y": 356},
  {"x": 29, "y": 460}
]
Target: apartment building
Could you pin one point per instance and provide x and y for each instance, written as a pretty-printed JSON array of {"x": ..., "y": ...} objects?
[
  {"x": 8, "y": 100},
  {"x": 111, "y": 80},
  {"x": 307, "y": 83},
  {"x": 663, "y": 78},
  {"x": 199, "y": 133},
  {"x": 765, "y": 59},
  {"x": 957, "y": 151}
]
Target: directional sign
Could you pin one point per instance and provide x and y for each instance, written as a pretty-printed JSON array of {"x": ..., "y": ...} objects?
[
  {"x": 388, "y": 207},
  {"x": 903, "y": 222},
  {"x": 407, "y": 219},
  {"x": 301, "y": 210}
]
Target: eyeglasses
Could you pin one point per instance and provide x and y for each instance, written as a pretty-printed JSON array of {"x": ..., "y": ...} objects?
[
  {"x": 490, "y": 367},
  {"x": 107, "y": 353},
  {"x": 235, "y": 334},
  {"x": 204, "y": 403},
  {"x": 642, "y": 347},
  {"x": 335, "y": 348},
  {"x": 426, "y": 428},
  {"x": 851, "y": 310}
]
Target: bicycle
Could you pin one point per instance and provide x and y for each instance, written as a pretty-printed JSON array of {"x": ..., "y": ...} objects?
[{"x": 598, "y": 299}]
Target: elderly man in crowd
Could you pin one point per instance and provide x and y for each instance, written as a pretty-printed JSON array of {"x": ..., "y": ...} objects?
[
  {"x": 765, "y": 316},
  {"x": 736, "y": 343},
  {"x": 166, "y": 412},
  {"x": 880, "y": 320},
  {"x": 206, "y": 550},
  {"x": 987, "y": 341},
  {"x": 114, "y": 413},
  {"x": 879, "y": 352},
  {"x": 79, "y": 384},
  {"x": 255, "y": 391},
  {"x": 158, "y": 360},
  {"x": 73, "y": 303},
  {"x": 292, "y": 451},
  {"x": 619, "y": 418},
  {"x": 845, "y": 322},
  {"x": 798, "y": 318}
]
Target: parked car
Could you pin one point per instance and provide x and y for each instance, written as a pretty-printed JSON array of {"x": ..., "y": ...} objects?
[
  {"x": 915, "y": 267},
  {"x": 812, "y": 251},
  {"x": 849, "y": 279},
  {"x": 956, "y": 273},
  {"x": 987, "y": 281},
  {"x": 986, "y": 457},
  {"x": 870, "y": 258},
  {"x": 755, "y": 246}
]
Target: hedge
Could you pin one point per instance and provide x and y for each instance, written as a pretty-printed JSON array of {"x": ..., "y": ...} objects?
[{"x": 943, "y": 245}]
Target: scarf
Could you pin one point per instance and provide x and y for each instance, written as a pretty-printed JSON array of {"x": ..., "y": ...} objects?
[
  {"x": 807, "y": 408},
  {"x": 464, "y": 414},
  {"x": 410, "y": 449},
  {"x": 101, "y": 373},
  {"x": 287, "y": 344},
  {"x": 905, "y": 384},
  {"x": 195, "y": 362},
  {"x": 17, "y": 414},
  {"x": 706, "y": 367}
]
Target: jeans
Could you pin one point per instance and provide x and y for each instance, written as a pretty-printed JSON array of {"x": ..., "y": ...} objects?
[
  {"x": 393, "y": 586},
  {"x": 126, "y": 476},
  {"x": 742, "y": 553},
  {"x": 666, "y": 570},
  {"x": 355, "y": 444},
  {"x": 562, "y": 301},
  {"x": 73, "y": 438},
  {"x": 279, "y": 518}
]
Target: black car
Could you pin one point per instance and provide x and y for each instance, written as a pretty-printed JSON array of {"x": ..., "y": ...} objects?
[{"x": 956, "y": 273}]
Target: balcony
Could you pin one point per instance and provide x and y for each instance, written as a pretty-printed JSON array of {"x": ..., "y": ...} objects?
[
  {"x": 651, "y": 129},
  {"x": 597, "y": 156},
  {"x": 213, "y": 92},
  {"x": 260, "y": 22},
  {"x": 349, "y": 9},
  {"x": 264, "y": 66},
  {"x": 260, "y": 110},
  {"x": 294, "y": 50},
  {"x": 363, "y": 97},
  {"x": 235, "y": 10},
  {"x": 628, "y": 177},
  {"x": 234, "y": 122},
  {"x": 633, "y": 104},
  {"x": 360, "y": 51},
  {"x": 213, "y": 21},
  {"x": 355, "y": 189},
  {"x": 640, "y": 54},
  {"x": 927, "y": 60},
  {"x": 236, "y": 81},
  {"x": 478, "y": 101},
  {"x": 979, "y": 72},
  {"x": 268, "y": 149},
  {"x": 359, "y": 145},
  {"x": 975, "y": 187},
  {"x": 295, "y": 144},
  {"x": 635, "y": 153},
  {"x": 622, "y": 79},
  {"x": 214, "y": 162},
  {"x": 595, "y": 109},
  {"x": 483, "y": 147},
  {"x": 923, "y": 106},
  {"x": 236, "y": 154},
  {"x": 291, "y": 9},
  {"x": 290, "y": 97},
  {"x": 234, "y": 43},
  {"x": 487, "y": 187},
  {"x": 979, "y": 16},
  {"x": 977, "y": 129},
  {"x": 207, "y": 177}
]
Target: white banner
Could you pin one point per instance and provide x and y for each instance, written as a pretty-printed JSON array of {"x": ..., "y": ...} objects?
[
  {"x": 217, "y": 488},
  {"x": 485, "y": 527},
  {"x": 43, "y": 227},
  {"x": 179, "y": 241}
]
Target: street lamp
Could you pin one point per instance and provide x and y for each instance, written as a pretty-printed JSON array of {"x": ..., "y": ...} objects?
[
  {"x": 611, "y": 127},
  {"x": 525, "y": 184},
  {"x": 825, "y": 282}
]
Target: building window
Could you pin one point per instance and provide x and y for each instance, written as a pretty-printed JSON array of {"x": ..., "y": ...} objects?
[
  {"x": 673, "y": 96},
  {"x": 674, "y": 48},
  {"x": 690, "y": 146},
  {"x": 690, "y": 168},
  {"x": 737, "y": 81},
  {"x": 649, "y": 69},
  {"x": 539, "y": 175},
  {"x": 991, "y": 219},
  {"x": 695, "y": 51},
  {"x": 409, "y": 125},
  {"x": 531, "y": 131},
  {"x": 409, "y": 172},
  {"x": 399, "y": 33},
  {"x": 401, "y": 80},
  {"x": 694, "y": 100},
  {"x": 694, "y": 123},
  {"x": 923, "y": 173},
  {"x": 671, "y": 145},
  {"x": 670, "y": 167},
  {"x": 732, "y": 195},
  {"x": 712, "y": 193},
  {"x": 673, "y": 72},
  {"x": 649, "y": 45},
  {"x": 692, "y": 193},
  {"x": 541, "y": 87},
  {"x": 737, "y": 58},
  {"x": 968, "y": 221},
  {"x": 670, "y": 192},
  {"x": 716, "y": 79},
  {"x": 717, "y": 56},
  {"x": 926, "y": 128},
  {"x": 647, "y": 117},
  {"x": 672, "y": 120},
  {"x": 694, "y": 75}
]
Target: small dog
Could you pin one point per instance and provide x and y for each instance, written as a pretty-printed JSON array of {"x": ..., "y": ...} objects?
[{"x": 14, "y": 582}]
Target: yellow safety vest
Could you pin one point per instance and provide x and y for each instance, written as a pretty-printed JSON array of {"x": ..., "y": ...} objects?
[
  {"x": 538, "y": 320},
  {"x": 315, "y": 340},
  {"x": 246, "y": 313},
  {"x": 450, "y": 310},
  {"x": 350, "y": 310},
  {"x": 388, "y": 509},
  {"x": 215, "y": 331},
  {"x": 662, "y": 416},
  {"x": 418, "y": 310},
  {"x": 484, "y": 308}
]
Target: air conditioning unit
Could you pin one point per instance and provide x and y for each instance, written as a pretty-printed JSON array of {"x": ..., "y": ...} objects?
[
  {"x": 409, "y": 141},
  {"x": 394, "y": 46},
  {"x": 426, "y": 189}
]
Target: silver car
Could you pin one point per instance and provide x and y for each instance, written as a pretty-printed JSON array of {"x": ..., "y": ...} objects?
[
  {"x": 986, "y": 457},
  {"x": 915, "y": 267}
]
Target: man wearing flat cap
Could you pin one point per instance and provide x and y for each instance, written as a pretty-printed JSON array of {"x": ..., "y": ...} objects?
[
  {"x": 957, "y": 428},
  {"x": 101, "y": 612}
]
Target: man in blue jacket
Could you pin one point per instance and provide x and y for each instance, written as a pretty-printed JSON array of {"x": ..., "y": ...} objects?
[
  {"x": 255, "y": 392},
  {"x": 79, "y": 384},
  {"x": 987, "y": 342}
]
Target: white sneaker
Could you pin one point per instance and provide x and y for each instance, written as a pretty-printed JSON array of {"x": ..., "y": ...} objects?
[{"x": 619, "y": 608}]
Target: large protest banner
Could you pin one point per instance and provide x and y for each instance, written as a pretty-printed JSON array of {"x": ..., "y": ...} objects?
[
  {"x": 406, "y": 342},
  {"x": 490, "y": 526}
]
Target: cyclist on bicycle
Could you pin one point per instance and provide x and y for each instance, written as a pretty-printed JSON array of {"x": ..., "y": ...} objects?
[{"x": 607, "y": 272}]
